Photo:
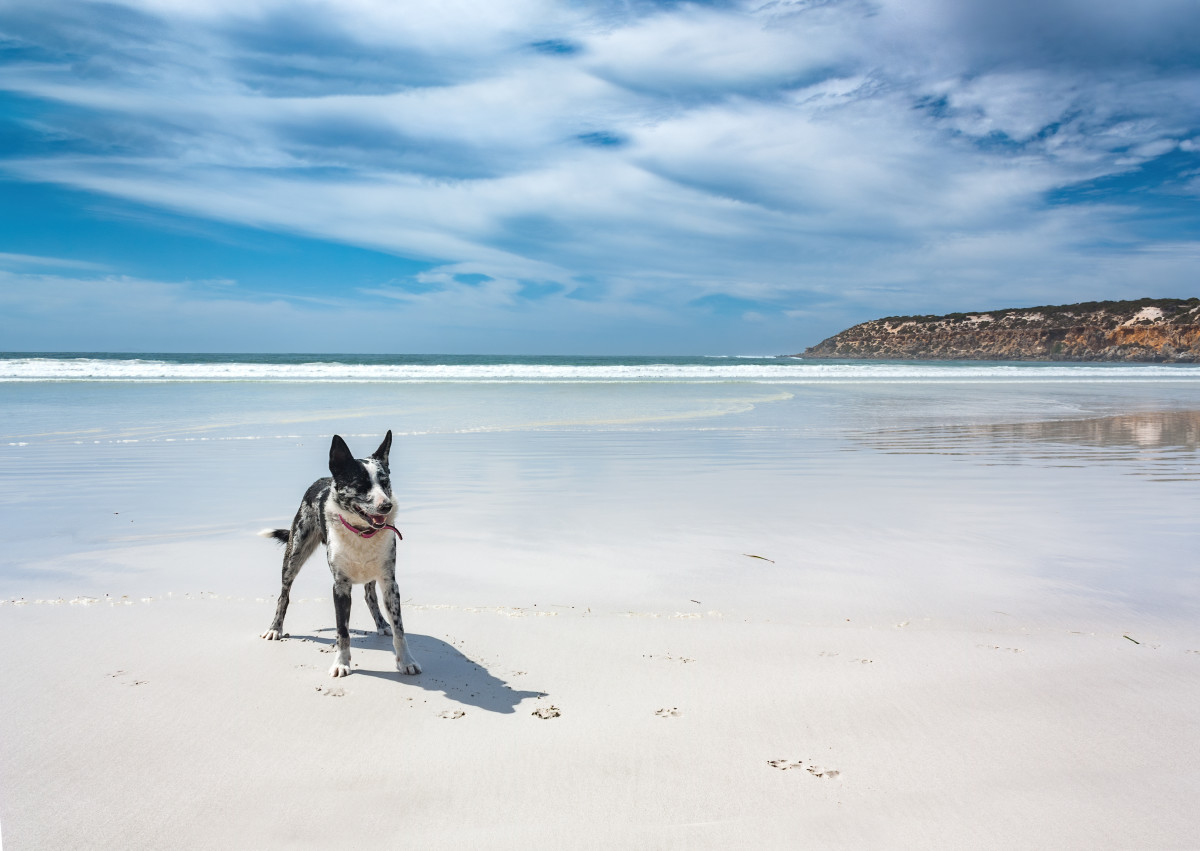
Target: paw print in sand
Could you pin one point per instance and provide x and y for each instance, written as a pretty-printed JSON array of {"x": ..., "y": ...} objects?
[{"x": 814, "y": 770}]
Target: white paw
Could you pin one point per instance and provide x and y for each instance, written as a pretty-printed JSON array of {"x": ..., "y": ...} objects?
[
  {"x": 272, "y": 635},
  {"x": 384, "y": 630},
  {"x": 337, "y": 669},
  {"x": 408, "y": 666}
]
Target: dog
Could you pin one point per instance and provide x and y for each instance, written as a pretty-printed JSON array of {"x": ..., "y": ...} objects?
[{"x": 351, "y": 513}]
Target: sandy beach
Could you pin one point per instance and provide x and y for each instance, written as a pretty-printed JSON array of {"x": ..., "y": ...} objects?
[
  {"x": 169, "y": 724},
  {"x": 709, "y": 617}
]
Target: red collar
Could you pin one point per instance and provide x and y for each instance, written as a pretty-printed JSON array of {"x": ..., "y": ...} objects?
[{"x": 369, "y": 533}]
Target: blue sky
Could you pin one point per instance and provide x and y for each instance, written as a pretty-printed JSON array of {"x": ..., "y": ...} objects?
[{"x": 532, "y": 176}]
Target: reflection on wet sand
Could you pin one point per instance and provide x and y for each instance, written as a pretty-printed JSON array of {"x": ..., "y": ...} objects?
[{"x": 1161, "y": 443}]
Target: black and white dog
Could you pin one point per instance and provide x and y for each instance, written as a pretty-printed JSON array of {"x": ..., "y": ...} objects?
[{"x": 333, "y": 512}]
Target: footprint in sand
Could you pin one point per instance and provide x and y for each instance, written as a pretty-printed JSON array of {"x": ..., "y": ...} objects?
[
  {"x": 784, "y": 764},
  {"x": 546, "y": 712},
  {"x": 998, "y": 647},
  {"x": 814, "y": 770},
  {"x": 451, "y": 714},
  {"x": 331, "y": 691},
  {"x": 673, "y": 712},
  {"x": 827, "y": 773}
]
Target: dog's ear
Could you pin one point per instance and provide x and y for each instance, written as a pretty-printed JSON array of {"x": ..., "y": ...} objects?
[
  {"x": 381, "y": 454},
  {"x": 341, "y": 461}
]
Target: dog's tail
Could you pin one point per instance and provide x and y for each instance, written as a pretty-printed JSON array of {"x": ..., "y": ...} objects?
[{"x": 280, "y": 535}]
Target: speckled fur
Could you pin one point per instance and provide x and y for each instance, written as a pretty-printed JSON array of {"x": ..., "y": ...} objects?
[{"x": 360, "y": 491}]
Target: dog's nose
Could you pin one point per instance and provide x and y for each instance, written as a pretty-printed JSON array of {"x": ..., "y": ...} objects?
[{"x": 385, "y": 506}]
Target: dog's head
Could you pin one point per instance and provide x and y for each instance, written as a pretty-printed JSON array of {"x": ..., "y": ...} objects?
[{"x": 363, "y": 485}]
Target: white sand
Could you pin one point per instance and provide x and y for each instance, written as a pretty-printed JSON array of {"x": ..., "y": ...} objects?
[
  {"x": 170, "y": 724},
  {"x": 934, "y": 657}
]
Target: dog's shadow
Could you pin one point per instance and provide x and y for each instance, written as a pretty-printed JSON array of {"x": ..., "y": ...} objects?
[{"x": 444, "y": 669}]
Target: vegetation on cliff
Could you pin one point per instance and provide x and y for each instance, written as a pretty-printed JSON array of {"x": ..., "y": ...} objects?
[{"x": 1160, "y": 330}]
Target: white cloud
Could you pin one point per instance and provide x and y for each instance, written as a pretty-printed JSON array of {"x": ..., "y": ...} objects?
[
  {"x": 435, "y": 25},
  {"x": 121, "y": 313},
  {"x": 906, "y": 149},
  {"x": 691, "y": 49},
  {"x": 27, "y": 260}
]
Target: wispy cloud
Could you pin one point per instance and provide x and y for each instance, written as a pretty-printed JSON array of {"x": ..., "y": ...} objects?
[
  {"x": 63, "y": 312},
  {"x": 25, "y": 261},
  {"x": 816, "y": 162}
]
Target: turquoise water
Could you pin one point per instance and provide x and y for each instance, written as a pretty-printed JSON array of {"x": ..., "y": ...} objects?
[{"x": 877, "y": 490}]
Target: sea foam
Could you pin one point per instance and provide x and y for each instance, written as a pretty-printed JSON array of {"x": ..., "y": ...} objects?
[{"x": 785, "y": 371}]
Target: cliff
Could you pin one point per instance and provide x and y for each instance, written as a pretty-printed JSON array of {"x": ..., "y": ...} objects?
[{"x": 1164, "y": 330}]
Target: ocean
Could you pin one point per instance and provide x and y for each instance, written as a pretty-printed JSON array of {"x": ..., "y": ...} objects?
[
  {"x": 812, "y": 488},
  {"x": 100, "y": 366}
]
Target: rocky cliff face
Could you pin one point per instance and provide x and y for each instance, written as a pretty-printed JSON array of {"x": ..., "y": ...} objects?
[{"x": 1161, "y": 330}]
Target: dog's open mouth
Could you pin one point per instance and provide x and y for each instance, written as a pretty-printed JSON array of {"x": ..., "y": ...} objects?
[{"x": 376, "y": 520}]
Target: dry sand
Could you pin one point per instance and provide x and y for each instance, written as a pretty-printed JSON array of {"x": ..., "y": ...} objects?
[{"x": 167, "y": 723}]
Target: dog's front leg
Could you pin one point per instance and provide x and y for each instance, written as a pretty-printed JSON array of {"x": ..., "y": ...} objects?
[
  {"x": 405, "y": 663},
  {"x": 341, "y": 608},
  {"x": 373, "y": 604}
]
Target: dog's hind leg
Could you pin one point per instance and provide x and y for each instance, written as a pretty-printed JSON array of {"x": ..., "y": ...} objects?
[
  {"x": 341, "y": 608},
  {"x": 405, "y": 663},
  {"x": 373, "y": 604},
  {"x": 301, "y": 543}
]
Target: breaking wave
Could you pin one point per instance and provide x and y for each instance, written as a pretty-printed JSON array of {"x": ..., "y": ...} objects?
[{"x": 562, "y": 370}]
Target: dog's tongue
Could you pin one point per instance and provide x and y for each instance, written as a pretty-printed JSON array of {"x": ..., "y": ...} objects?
[{"x": 377, "y": 519}]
